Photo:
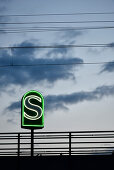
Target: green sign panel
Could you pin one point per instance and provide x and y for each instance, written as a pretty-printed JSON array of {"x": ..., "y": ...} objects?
[{"x": 32, "y": 109}]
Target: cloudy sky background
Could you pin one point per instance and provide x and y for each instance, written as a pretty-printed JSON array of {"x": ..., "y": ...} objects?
[{"x": 77, "y": 97}]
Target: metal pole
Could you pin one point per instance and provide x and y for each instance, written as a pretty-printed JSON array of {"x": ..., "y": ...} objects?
[
  {"x": 32, "y": 142},
  {"x": 18, "y": 144},
  {"x": 69, "y": 143},
  {"x": 18, "y": 153}
]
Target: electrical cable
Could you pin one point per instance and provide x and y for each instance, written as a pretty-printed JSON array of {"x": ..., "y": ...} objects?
[
  {"x": 59, "y": 22},
  {"x": 51, "y": 29},
  {"x": 56, "y": 64},
  {"x": 57, "y": 14},
  {"x": 61, "y": 46}
]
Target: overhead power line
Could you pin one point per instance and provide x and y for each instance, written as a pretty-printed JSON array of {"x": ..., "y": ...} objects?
[
  {"x": 55, "y": 64},
  {"x": 59, "y": 22},
  {"x": 46, "y": 14},
  {"x": 45, "y": 29},
  {"x": 60, "y": 46},
  {"x": 53, "y": 28}
]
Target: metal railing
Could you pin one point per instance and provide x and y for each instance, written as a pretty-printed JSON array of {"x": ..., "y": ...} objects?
[{"x": 57, "y": 143}]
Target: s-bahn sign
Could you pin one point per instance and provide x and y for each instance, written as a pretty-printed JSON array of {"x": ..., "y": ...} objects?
[{"x": 32, "y": 110}]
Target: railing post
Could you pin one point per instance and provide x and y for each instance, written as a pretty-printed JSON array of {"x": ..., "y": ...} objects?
[
  {"x": 32, "y": 142},
  {"x": 18, "y": 145},
  {"x": 69, "y": 143}
]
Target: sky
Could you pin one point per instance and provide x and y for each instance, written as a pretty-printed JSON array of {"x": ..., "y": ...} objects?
[{"x": 76, "y": 96}]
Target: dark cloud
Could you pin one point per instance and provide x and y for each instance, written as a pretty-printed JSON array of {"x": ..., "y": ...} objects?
[
  {"x": 54, "y": 102},
  {"x": 25, "y": 75},
  {"x": 61, "y": 101},
  {"x": 14, "y": 106},
  {"x": 109, "y": 67}
]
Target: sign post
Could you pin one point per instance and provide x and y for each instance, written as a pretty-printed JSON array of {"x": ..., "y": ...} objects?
[{"x": 32, "y": 113}]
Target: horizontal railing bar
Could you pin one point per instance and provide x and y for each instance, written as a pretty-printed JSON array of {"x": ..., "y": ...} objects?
[
  {"x": 107, "y": 153},
  {"x": 107, "y": 134},
  {"x": 45, "y": 135},
  {"x": 53, "y": 143},
  {"x": 59, "y": 143},
  {"x": 57, "y": 138},
  {"x": 50, "y": 154},
  {"x": 94, "y": 147},
  {"x": 44, "y": 138},
  {"x": 66, "y": 134},
  {"x": 13, "y": 133},
  {"x": 8, "y": 153},
  {"x": 96, "y": 131},
  {"x": 60, "y": 137},
  {"x": 102, "y": 148},
  {"x": 92, "y": 153},
  {"x": 8, "y": 138},
  {"x": 51, "y": 151},
  {"x": 73, "y": 136},
  {"x": 91, "y": 131},
  {"x": 53, "y": 148},
  {"x": 91, "y": 142},
  {"x": 92, "y": 137},
  {"x": 50, "y": 135},
  {"x": 42, "y": 153},
  {"x": 14, "y": 143},
  {"x": 12, "y": 148},
  {"x": 8, "y": 149},
  {"x": 8, "y": 143},
  {"x": 87, "y": 153},
  {"x": 77, "y": 142},
  {"x": 67, "y": 148},
  {"x": 60, "y": 148}
]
